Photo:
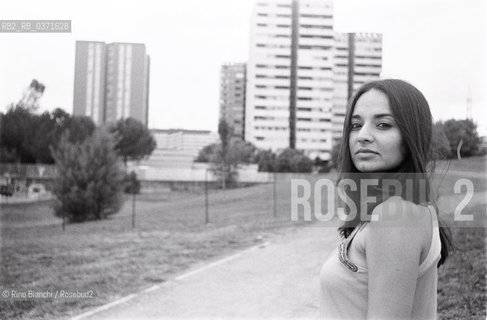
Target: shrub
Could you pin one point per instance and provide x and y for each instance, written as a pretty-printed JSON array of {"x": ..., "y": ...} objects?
[
  {"x": 440, "y": 145},
  {"x": 335, "y": 154},
  {"x": 89, "y": 185},
  {"x": 266, "y": 159},
  {"x": 292, "y": 160},
  {"x": 131, "y": 183},
  {"x": 206, "y": 154}
]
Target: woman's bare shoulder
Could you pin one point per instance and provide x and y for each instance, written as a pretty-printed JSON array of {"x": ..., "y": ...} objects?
[
  {"x": 399, "y": 212},
  {"x": 398, "y": 222}
]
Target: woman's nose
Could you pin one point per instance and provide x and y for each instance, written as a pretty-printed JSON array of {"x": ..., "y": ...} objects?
[{"x": 364, "y": 135}]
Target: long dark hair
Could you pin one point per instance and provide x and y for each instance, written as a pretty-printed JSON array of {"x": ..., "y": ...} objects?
[{"x": 413, "y": 117}]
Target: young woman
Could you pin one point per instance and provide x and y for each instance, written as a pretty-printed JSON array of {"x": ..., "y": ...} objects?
[{"x": 382, "y": 270}]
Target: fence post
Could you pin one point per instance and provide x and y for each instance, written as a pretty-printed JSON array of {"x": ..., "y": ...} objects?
[
  {"x": 133, "y": 209},
  {"x": 207, "y": 217},
  {"x": 274, "y": 193}
]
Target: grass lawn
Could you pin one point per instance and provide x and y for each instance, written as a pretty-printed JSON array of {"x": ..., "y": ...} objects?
[
  {"x": 462, "y": 279},
  {"x": 114, "y": 260},
  {"x": 473, "y": 164}
]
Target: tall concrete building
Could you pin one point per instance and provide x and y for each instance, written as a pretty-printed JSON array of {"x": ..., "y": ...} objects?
[
  {"x": 89, "y": 80},
  {"x": 111, "y": 81},
  {"x": 291, "y": 98},
  {"x": 366, "y": 58},
  {"x": 232, "y": 96}
]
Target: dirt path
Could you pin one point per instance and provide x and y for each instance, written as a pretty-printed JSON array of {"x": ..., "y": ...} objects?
[{"x": 278, "y": 279}]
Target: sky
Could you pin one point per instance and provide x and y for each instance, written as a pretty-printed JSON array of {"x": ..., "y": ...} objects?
[{"x": 438, "y": 46}]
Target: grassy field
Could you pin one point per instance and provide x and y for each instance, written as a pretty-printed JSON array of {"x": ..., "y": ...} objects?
[
  {"x": 462, "y": 280},
  {"x": 473, "y": 164},
  {"x": 114, "y": 260}
]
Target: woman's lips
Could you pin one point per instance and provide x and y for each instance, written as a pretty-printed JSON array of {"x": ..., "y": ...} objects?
[{"x": 365, "y": 151}]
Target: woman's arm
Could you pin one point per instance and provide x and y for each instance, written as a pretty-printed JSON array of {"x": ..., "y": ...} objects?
[{"x": 393, "y": 254}]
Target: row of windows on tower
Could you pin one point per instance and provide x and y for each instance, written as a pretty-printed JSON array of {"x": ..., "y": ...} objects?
[
  {"x": 264, "y": 76},
  {"x": 276, "y": 25},
  {"x": 361, "y": 37},
  {"x": 268, "y": 128},
  {"x": 302, "y": 15},
  {"x": 274, "y": 56},
  {"x": 286, "y": 98},
  {"x": 364, "y": 74},
  {"x": 258, "y": 86},
  {"x": 278, "y": 15},
  {"x": 363, "y": 52},
  {"x": 279, "y": 5},
  {"x": 277, "y": 66},
  {"x": 360, "y": 57},
  {"x": 301, "y": 26},
  {"x": 363, "y": 65},
  {"x": 302, "y": 47},
  {"x": 300, "y": 109},
  {"x": 271, "y": 118}
]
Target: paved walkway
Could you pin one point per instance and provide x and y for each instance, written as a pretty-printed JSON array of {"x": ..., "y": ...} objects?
[{"x": 279, "y": 279}]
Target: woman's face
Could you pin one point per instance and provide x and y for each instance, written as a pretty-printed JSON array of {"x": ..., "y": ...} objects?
[{"x": 375, "y": 142}]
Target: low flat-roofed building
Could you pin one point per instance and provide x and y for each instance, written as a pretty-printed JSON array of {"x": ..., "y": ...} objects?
[{"x": 178, "y": 147}]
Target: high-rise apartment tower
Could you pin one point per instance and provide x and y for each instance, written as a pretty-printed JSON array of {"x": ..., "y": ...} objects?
[
  {"x": 292, "y": 99},
  {"x": 232, "y": 96},
  {"x": 111, "y": 81}
]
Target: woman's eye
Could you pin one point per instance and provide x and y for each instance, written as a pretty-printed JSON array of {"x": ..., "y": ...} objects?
[
  {"x": 355, "y": 126},
  {"x": 384, "y": 125}
]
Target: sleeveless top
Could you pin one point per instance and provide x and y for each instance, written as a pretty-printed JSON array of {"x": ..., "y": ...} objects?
[{"x": 344, "y": 282}]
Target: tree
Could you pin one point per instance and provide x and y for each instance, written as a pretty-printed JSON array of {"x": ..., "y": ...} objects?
[
  {"x": 221, "y": 163},
  {"x": 335, "y": 154},
  {"x": 131, "y": 183},
  {"x": 80, "y": 128},
  {"x": 462, "y": 134},
  {"x": 322, "y": 165},
  {"x": 206, "y": 154},
  {"x": 31, "y": 96},
  {"x": 49, "y": 129},
  {"x": 440, "y": 145},
  {"x": 26, "y": 137},
  {"x": 77, "y": 128},
  {"x": 41, "y": 137},
  {"x": 61, "y": 120},
  {"x": 134, "y": 140},
  {"x": 227, "y": 155},
  {"x": 238, "y": 152},
  {"x": 8, "y": 155},
  {"x": 266, "y": 159},
  {"x": 89, "y": 183},
  {"x": 292, "y": 160},
  {"x": 16, "y": 130}
]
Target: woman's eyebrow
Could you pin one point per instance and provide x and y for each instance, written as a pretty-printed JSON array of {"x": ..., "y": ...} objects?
[
  {"x": 382, "y": 115},
  {"x": 379, "y": 115}
]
